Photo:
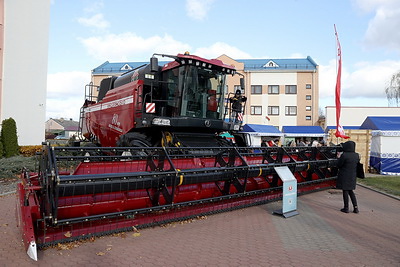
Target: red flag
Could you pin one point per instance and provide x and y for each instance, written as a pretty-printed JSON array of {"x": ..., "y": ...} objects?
[{"x": 339, "y": 128}]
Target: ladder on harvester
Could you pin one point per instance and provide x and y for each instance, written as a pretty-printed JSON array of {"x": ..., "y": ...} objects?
[{"x": 89, "y": 98}]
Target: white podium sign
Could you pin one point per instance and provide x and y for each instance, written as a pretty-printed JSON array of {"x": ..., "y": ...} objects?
[{"x": 289, "y": 198}]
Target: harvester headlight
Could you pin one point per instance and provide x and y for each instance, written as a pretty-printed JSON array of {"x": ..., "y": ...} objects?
[{"x": 161, "y": 122}]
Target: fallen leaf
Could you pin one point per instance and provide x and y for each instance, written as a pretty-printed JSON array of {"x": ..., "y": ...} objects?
[
  {"x": 100, "y": 253},
  {"x": 108, "y": 249},
  {"x": 136, "y": 234},
  {"x": 62, "y": 246},
  {"x": 68, "y": 234}
]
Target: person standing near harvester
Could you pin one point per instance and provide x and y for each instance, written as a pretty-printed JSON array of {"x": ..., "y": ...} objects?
[
  {"x": 346, "y": 178},
  {"x": 237, "y": 101}
]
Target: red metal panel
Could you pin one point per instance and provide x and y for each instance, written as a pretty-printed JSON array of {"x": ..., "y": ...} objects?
[
  {"x": 26, "y": 215},
  {"x": 114, "y": 115}
]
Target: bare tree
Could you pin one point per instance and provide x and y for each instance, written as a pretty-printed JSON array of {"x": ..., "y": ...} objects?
[{"x": 393, "y": 90}]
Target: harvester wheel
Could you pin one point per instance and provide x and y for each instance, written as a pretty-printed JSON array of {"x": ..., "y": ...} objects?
[{"x": 134, "y": 140}]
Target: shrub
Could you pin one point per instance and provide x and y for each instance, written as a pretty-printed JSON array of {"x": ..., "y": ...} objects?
[
  {"x": 12, "y": 167},
  {"x": 1, "y": 149},
  {"x": 9, "y": 137},
  {"x": 29, "y": 151}
]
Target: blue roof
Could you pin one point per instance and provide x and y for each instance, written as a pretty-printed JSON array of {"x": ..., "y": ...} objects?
[
  {"x": 118, "y": 67},
  {"x": 249, "y": 64},
  {"x": 278, "y": 64},
  {"x": 381, "y": 123},
  {"x": 260, "y": 128},
  {"x": 294, "y": 131}
]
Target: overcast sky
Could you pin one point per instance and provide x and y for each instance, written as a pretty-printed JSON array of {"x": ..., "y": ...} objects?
[{"x": 86, "y": 33}]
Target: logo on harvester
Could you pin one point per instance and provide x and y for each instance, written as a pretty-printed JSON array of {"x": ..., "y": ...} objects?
[
  {"x": 207, "y": 123},
  {"x": 290, "y": 188},
  {"x": 115, "y": 123},
  {"x": 115, "y": 120}
]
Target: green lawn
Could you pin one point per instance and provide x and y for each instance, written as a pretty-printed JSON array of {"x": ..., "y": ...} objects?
[{"x": 388, "y": 184}]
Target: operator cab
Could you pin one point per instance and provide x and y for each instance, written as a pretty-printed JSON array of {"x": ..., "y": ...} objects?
[{"x": 193, "y": 90}]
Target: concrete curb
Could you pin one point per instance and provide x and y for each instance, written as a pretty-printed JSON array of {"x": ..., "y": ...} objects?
[{"x": 8, "y": 193}]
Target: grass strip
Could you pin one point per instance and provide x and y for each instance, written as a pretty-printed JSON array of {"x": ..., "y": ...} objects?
[{"x": 388, "y": 184}]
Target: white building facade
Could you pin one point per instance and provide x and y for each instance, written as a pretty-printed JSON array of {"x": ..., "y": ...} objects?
[
  {"x": 24, "y": 47},
  {"x": 355, "y": 116}
]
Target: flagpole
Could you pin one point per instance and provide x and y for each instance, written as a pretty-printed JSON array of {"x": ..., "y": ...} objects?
[{"x": 339, "y": 129}]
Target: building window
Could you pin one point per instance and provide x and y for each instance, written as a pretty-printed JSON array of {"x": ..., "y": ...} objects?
[
  {"x": 308, "y": 97},
  {"x": 290, "y": 110},
  {"x": 256, "y": 89},
  {"x": 308, "y": 86},
  {"x": 273, "y": 110},
  {"x": 273, "y": 89},
  {"x": 308, "y": 118},
  {"x": 256, "y": 110},
  {"x": 291, "y": 89},
  {"x": 308, "y": 108}
]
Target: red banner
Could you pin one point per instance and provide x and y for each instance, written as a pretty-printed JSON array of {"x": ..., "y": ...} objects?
[{"x": 339, "y": 128}]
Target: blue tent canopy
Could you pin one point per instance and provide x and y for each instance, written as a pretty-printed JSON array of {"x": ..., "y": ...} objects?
[
  {"x": 262, "y": 129},
  {"x": 381, "y": 123},
  {"x": 385, "y": 143},
  {"x": 303, "y": 131}
]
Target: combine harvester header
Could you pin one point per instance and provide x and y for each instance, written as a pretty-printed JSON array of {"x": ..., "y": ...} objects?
[
  {"x": 78, "y": 193},
  {"x": 159, "y": 156}
]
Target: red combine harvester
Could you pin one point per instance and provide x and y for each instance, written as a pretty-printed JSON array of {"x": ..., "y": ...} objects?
[
  {"x": 179, "y": 104},
  {"x": 153, "y": 167}
]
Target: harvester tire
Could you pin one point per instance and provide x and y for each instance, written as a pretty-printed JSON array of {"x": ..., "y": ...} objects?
[{"x": 134, "y": 140}]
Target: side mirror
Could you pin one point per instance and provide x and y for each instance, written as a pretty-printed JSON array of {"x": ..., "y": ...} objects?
[
  {"x": 153, "y": 64},
  {"x": 242, "y": 83}
]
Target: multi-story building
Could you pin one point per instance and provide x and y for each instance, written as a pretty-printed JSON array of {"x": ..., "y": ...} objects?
[
  {"x": 24, "y": 35},
  {"x": 279, "y": 92}
]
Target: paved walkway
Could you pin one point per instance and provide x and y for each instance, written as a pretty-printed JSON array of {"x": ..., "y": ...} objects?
[{"x": 320, "y": 235}]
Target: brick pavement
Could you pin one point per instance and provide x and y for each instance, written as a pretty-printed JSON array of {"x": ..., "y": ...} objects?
[{"x": 320, "y": 235}]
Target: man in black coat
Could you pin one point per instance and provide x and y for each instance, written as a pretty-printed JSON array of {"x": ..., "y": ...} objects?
[
  {"x": 346, "y": 178},
  {"x": 237, "y": 101}
]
